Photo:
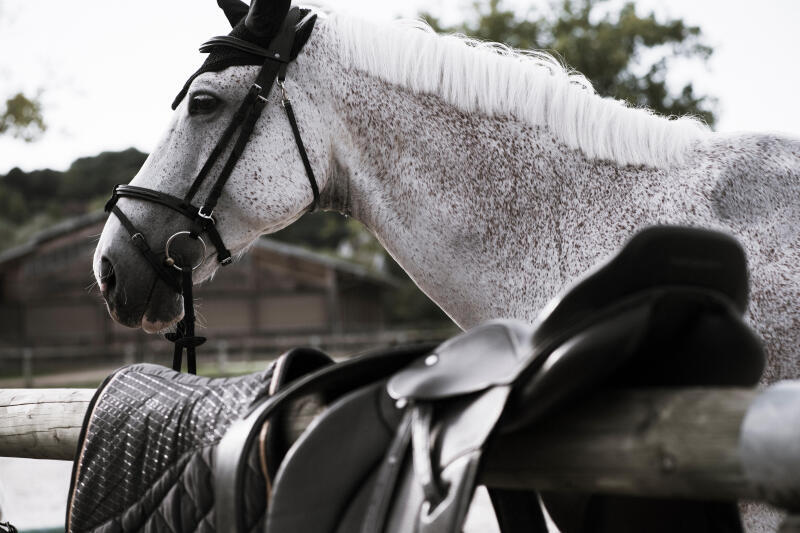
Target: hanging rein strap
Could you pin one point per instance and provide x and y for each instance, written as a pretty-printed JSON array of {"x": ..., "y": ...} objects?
[
  {"x": 179, "y": 276},
  {"x": 184, "y": 337}
]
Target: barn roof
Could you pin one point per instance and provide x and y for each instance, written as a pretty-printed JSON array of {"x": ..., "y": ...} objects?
[
  {"x": 78, "y": 223},
  {"x": 53, "y": 232}
]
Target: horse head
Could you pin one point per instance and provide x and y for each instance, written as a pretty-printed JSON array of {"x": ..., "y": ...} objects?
[{"x": 261, "y": 177}]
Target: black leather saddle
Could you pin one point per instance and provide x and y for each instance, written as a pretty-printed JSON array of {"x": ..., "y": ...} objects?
[{"x": 399, "y": 443}]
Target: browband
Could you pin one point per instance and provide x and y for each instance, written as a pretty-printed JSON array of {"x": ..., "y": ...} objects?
[{"x": 244, "y": 46}]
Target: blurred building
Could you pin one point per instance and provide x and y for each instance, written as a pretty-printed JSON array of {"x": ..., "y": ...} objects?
[{"x": 277, "y": 294}]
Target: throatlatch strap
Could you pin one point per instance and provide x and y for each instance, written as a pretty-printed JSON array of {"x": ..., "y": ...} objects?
[{"x": 287, "y": 105}]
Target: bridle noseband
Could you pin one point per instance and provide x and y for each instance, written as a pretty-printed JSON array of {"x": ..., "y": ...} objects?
[{"x": 179, "y": 276}]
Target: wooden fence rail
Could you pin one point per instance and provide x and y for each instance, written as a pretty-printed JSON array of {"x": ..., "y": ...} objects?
[{"x": 692, "y": 443}]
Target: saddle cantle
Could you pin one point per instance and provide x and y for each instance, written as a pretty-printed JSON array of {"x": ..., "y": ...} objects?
[{"x": 398, "y": 445}]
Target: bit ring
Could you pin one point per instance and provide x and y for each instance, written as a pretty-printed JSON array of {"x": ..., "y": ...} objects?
[{"x": 170, "y": 261}]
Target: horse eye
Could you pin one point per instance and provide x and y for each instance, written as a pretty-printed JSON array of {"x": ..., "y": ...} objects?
[{"x": 202, "y": 104}]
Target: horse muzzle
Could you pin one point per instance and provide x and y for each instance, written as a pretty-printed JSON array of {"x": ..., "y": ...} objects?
[{"x": 135, "y": 296}]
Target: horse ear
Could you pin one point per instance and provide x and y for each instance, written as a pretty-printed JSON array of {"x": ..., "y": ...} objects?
[
  {"x": 266, "y": 16},
  {"x": 235, "y": 10},
  {"x": 303, "y": 32}
]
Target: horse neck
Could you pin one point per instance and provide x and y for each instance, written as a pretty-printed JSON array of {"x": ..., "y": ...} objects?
[{"x": 472, "y": 207}]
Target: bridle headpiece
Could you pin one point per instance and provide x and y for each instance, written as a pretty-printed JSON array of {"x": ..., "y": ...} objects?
[{"x": 269, "y": 34}]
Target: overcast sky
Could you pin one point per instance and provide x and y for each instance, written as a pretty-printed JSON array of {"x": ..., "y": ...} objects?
[{"x": 108, "y": 69}]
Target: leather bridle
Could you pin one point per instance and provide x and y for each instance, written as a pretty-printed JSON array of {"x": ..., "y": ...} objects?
[{"x": 179, "y": 276}]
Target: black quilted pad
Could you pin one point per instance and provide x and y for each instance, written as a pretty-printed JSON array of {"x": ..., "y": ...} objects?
[{"x": 147, "y": 450}]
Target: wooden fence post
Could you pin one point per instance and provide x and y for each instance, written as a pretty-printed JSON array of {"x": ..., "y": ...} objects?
[{"x": 42, "y": 423}]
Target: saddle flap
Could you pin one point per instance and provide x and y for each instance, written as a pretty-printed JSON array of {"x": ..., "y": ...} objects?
[{"x": 353, "y": 431}]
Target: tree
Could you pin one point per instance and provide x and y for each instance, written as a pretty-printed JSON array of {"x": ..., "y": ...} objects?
[
  {"x": 22, "y": 118},
  {"x": 91, "y": 177},
  {"x": 607, "y": 47},
  {"x": 31, "y": 201}
]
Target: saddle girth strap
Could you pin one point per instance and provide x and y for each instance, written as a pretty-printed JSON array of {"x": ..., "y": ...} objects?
[{"x": 387, "y": 478}]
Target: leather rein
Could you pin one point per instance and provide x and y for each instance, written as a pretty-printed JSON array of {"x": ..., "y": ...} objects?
[{"x": 179, "y": 276}]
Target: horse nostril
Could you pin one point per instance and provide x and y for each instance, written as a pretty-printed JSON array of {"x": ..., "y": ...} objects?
[{"x": 107, "y": 277}]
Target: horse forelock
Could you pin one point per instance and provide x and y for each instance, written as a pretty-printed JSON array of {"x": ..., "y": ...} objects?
[{"x": 529, "y": 86}]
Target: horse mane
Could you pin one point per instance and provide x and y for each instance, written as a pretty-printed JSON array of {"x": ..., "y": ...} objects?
[{"x": 529, "y": 86}]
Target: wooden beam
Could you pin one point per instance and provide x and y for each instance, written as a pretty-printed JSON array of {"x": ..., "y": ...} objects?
[
  {"x": 725, "y": 443},
  {"x": 42, "y": 423},
  {"x": 679, "y": 443}
]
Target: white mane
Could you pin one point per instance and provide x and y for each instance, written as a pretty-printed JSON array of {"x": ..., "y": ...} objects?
[{"x": 529, "y": 86}]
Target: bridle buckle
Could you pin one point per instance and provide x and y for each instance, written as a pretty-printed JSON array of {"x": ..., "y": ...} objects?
[
  {"x": 139, "y": 241},
  {"x": 206, "y": 216},
  {"x": 284, "y": 92},
  {"x": 256, "y": 88}
]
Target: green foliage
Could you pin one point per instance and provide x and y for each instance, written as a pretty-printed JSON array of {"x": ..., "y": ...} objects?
[
  {"x": 12, "y": 205},
  {"x": 22, "y": 118},
  {"x": 408, "y": 305},
  {"x": 321, "y": 231},
  {"x": 30, "y": 201},
  {"x": 7, "y": 233},
  {"x": 38, "y": 187},
  {"x": 34, "y": 224},
  {"x": 89, "y": 177},
  {"x": 608, "y": 47}
]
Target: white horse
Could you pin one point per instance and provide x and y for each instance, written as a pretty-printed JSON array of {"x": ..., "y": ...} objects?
[{"x": 493, "y": 177}]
